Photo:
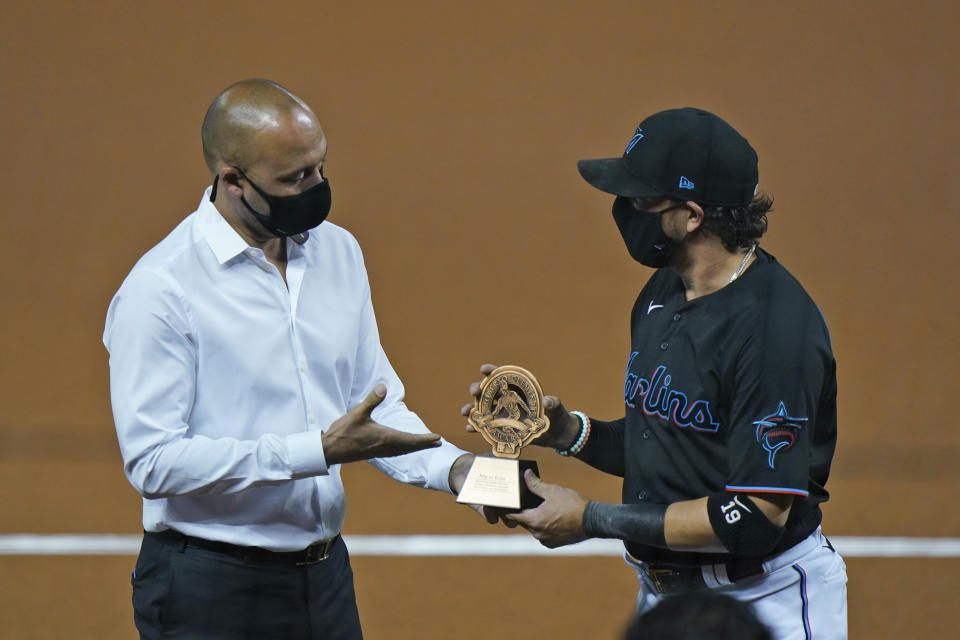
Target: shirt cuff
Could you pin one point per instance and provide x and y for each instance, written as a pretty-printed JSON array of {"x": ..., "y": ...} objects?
[
  {"x": 305, "y": 454},
  {"x": 438, "y": 468}
]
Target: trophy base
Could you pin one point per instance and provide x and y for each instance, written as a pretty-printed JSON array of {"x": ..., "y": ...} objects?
[{"x": 498, "y": 482}]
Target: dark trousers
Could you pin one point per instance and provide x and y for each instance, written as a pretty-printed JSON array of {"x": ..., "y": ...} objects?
[{"x": 184, "y": 592}]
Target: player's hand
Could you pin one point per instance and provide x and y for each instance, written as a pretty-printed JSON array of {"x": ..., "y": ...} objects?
[
  {"x": 558, "y": 521},
  {"x": 564, "y": 426},
  {"x": 356, "y": 436},
  {"x": 465, "y": 410}
]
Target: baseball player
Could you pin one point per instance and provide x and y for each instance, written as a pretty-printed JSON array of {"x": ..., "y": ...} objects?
[{"x": 729, "y": 394}]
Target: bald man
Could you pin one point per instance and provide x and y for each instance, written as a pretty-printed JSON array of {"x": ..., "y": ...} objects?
[{"x": 245, "y": 368}]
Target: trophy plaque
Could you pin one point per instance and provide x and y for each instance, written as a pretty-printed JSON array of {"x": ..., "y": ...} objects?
[{"x": 508, "y": 413}]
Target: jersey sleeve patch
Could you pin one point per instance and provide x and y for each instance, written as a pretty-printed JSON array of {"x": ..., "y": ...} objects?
[{"x": 777, "y": 432}]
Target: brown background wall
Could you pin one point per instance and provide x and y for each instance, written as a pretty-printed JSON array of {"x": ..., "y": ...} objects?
[{"x": 454, "y": 130}]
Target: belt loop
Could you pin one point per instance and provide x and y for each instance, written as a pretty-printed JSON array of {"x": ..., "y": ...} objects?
[{"x": 720, "y": 574}]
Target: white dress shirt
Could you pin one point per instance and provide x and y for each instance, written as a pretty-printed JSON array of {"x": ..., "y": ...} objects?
[{"x": 223, "y": 379}]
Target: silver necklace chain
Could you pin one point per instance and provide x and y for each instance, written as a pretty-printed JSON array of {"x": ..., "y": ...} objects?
[{"x": 743, "y": 263}]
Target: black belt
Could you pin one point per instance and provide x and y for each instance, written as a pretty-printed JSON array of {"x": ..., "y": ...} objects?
[
  {"x": 672, "y": 579},
  {"x": 317, "y": 552}
]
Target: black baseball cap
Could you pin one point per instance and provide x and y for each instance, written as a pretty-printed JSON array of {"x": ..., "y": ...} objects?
[{"x": 687, "y": 154}]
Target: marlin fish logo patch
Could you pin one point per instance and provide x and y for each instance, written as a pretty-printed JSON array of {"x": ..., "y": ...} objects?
[
  {"x": 634, "y": 140},
  {"x": 778, "y": 432}
]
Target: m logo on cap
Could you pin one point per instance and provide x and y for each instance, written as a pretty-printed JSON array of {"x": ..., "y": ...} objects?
[
  {"x": 634, "y": 140},
  {"x": 685, "y": 183}
]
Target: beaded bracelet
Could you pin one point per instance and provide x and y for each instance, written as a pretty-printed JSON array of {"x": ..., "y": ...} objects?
[{"x": 581, "y": 440}]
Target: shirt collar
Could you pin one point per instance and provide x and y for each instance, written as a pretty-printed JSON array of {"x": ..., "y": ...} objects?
[{"x": 223, "y": 240}]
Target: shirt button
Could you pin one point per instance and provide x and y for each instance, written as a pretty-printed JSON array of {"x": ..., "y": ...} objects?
[
  {"x": 663, "y": 346},
  {"x": 313, "y": 419},
  {"x": 303, "y": 369},
  {"x": 645, "y": 434},
  {"x": 642, "y": 495},
  {"x": 676, "y": 317}
]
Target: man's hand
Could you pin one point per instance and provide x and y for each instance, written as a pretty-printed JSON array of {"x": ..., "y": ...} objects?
[
  {"x": 458, "y": 472},
  {"x": 558, "y": 521},
  {"x": 458, "y": 475},
  {"x": 564, "y": 426},
  {"x": 355, "y": 436}
]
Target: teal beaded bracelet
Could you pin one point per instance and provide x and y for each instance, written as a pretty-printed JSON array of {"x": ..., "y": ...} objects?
[{"x": 581, "y": 440}]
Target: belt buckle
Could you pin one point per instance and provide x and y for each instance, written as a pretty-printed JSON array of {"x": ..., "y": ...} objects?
[
  {"x": 655, "y": 577},
  {"x": 316, "y": 553}
]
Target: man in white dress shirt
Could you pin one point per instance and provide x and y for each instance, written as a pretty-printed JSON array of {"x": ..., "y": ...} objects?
[{"x": 245, "y": 368}]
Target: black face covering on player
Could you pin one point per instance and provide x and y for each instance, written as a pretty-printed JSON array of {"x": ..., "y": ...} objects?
[
  {"x": 646, "y": 240},
  {"x": 290, "y": 215}
]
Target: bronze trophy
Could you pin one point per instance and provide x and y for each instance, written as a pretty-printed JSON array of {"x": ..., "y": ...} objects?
[{"x": 509, "y": 415}]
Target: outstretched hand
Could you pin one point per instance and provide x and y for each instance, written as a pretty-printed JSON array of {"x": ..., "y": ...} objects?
[
  {"x": 564, "y": 427},
  {"x": 558, "y": 521},
  {"x": 356, "y": 436}
]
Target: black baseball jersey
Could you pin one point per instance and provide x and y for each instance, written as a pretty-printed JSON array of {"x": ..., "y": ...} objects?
[{"x": 735, "y": 390}]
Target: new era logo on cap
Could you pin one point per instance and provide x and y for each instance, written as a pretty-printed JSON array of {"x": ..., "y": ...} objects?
[{"x": 685, "y": 183}]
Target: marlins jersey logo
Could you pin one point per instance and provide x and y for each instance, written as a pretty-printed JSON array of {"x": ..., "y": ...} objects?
[
  {"x": 655, "y": 397},
  {"x": 777, "y": 432}
]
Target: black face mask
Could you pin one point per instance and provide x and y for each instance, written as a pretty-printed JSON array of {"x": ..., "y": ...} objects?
[
  {"x": 646, "y": 240},
  {"x": 289, "y": 215}
]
